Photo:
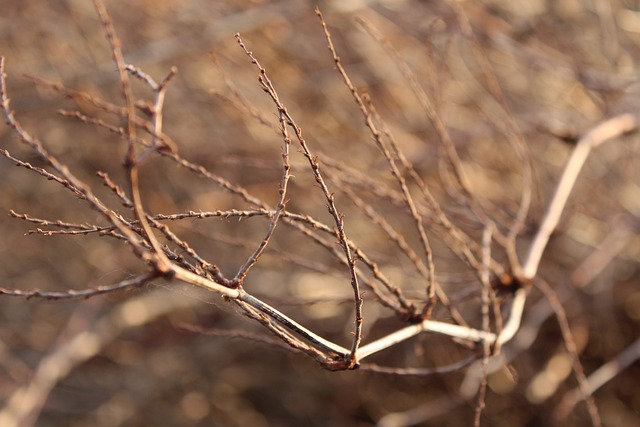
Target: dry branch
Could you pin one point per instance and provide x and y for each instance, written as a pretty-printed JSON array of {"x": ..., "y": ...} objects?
[{"x": 487, "y": 313}]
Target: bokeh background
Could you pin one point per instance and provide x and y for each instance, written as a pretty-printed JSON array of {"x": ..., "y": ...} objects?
[{"x": 563, "y": 66}]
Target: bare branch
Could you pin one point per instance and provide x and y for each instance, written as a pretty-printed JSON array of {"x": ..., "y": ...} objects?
[
  {"x": 158, "y": 260},
  {"x": 432, "y": 287},
  {"x": 337, "y": 217},
  {"x": 134, "y": 282}
]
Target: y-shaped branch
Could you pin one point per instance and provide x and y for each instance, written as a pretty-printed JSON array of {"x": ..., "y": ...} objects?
[{"x": 157, "y": 258}]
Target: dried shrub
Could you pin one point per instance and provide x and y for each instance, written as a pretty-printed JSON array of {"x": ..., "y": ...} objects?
[{"x": 343, "y": 227}]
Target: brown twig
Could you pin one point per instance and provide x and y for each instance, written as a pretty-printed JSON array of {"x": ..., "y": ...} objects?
[
  {"x": 432, "y": 287},
  {"x": 134, "y": 282},
  {"x": 156, "y": 258},
  {"x": 63, "y": 170},
  {"x": 284, "y": 121},
  {"x": 288, "y": 120}
]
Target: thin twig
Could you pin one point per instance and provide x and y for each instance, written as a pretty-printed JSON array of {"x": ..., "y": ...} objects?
[
  {"x": 434, "y": 117},
  {"x": 267, "y": 86},
  {"x": 432, "y": 287},
  {"x": 331, "y": 206},
  {"x": 39, "y": 149},
  {"x": 134, "y": 282}
]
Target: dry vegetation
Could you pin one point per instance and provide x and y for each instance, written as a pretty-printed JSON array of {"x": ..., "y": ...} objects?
[{"x": 421, "y": 213}]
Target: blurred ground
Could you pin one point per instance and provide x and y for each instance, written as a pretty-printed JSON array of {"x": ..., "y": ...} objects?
[{"x": 563, "y": 67}]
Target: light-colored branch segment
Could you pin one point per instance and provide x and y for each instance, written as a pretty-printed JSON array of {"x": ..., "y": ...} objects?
[{"x": 605, "y": 131}]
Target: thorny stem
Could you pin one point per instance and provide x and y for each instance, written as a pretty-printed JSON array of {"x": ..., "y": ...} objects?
[
  {"x": 178, "y": 273},
  {"x": 607, "y": 130},
  {"x": 84, "y": 293},
  {"x": 462, "y": 248},
  {"x": 403, "y": 308},
  {"x": 331, "y": 206},
  {"x": 267, "y": 86}
]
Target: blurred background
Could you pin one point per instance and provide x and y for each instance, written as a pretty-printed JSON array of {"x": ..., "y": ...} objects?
[{"x": 563, "y": 67}]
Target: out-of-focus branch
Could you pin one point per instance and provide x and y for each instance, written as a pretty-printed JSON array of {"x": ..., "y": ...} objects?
[
  {"x": 24, "y": 405},
  {"x": 605, "y": 131},
  {"x": 597, "y": 379},
  {"x": 570, "y": 344}
]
